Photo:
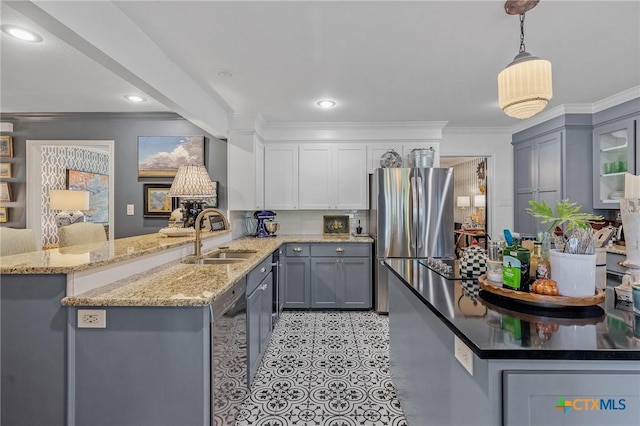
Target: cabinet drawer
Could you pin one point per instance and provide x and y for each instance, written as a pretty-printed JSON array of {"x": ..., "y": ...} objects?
[
  {"x": 257, "y": 274},
  {"x": 297, "y": 250},
  {"x": 342, "y": 250}
]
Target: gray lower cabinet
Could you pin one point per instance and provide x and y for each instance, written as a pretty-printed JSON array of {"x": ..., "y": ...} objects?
[
  {"x": 297, "y": 276},
  {"x": 328, "y": 276},
  {"x": 259, "y": 309}
]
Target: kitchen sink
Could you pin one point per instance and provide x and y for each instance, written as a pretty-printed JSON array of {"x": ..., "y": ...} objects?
[
  {"x": 229, "y": 255},
  {"x": 213, "y": 261}
]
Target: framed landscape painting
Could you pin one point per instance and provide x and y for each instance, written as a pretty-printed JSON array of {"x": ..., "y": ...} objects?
[
  {"x": 161, "y": 156},
  {"x": 157, "y": 201},
  {"x": 98, "y": 186}
]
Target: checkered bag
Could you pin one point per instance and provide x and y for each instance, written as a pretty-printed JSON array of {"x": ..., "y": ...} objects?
[{"x": 473, "y": 261}]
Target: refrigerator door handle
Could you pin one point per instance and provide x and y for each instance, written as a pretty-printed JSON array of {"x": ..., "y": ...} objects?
[
  {"x": 414, "y": 212},
  {"x": 421, "y": 217}
]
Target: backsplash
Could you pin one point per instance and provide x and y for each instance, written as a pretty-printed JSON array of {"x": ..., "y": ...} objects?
[{"x": 297, "y": 222}]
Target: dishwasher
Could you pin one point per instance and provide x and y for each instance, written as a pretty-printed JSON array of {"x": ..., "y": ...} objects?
[{"x": 229, "y": 385}]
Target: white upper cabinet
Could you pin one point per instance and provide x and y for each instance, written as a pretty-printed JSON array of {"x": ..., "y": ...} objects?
[
  {"x": 316, "y": 176},
  {"x": 332, "y": 176},
  {"x": 281, "y": 176},
  {"x": 245, "y": 171},
  {"x": 351, "y": 177}
]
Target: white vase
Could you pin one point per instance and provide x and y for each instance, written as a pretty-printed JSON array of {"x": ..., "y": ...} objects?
[
  {"x": 574, "y": 273},
  {"x": 630, "y": 212}
]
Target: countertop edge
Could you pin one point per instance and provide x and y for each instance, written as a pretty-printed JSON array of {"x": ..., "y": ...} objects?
[
  {"x": 231, "y": 275},
  {"x": 525, "y": 353}
]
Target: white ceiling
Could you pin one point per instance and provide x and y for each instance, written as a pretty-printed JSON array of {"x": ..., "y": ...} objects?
[{"x": 382, "y": 61}]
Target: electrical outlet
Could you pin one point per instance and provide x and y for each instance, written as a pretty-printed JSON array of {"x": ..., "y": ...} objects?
[
  {"x": 92, "y": 318},
  {"x": 463, "y": 354},
  {"x": 129, "y": 209}
]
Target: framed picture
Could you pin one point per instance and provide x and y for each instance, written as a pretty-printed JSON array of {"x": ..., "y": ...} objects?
[
  {"x": 336, "y": 225},
  {"x": 6, "y": 146},
  {"x": 161, "y": 156},
  {"x": 4, "y": 214},
  {"x": 5, "y": 192},
  {"x": 5, "y": 170},
  {"x": 157, "y": 202},
  {"x": 98, "y": 186}
]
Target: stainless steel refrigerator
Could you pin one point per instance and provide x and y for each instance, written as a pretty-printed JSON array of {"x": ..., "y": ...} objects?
[{"x": 410, "y": 216}]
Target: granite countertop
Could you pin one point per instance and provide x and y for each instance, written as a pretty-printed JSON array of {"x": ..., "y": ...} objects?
[
  {"x": 183, "y": 284},
  {"x": 617, "y": 249},
  {"x": 66, "y": 260},
  {"x": 498, "y": 328}
]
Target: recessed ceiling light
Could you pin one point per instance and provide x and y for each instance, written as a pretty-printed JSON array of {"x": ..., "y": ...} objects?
[
  {"x": 224, "y": 74},
  {"x": 134, "y": 98},
  {"x": 326, "y": 103},
  {"x": 21, "y": 33}
]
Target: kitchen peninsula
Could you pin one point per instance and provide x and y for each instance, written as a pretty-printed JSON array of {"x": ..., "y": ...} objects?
[
  {"x": 152, "y": 363},
  {"x": 497, "y": 362}
]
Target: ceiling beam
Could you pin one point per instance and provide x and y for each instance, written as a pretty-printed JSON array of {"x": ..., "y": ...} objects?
[{"x": 104, "y": 33}]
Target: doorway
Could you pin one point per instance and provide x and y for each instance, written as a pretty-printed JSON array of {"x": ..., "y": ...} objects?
[{"x": 39, "y": 216}]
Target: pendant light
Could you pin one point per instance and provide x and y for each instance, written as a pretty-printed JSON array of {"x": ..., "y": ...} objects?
[{"x": 524, "y": 86}]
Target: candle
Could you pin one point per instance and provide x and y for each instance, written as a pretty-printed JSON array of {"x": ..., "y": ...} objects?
[{"x": 631, "y": 186}]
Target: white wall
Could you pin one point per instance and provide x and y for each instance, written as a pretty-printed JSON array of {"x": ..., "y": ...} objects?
[{"x": 495, "y": 144}]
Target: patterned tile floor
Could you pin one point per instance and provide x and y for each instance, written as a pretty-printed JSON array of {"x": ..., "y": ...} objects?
[{"x": 325, "y": 369}]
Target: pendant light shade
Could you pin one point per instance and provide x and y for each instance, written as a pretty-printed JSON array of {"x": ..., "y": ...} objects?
[{"x": 524, "y": 86}]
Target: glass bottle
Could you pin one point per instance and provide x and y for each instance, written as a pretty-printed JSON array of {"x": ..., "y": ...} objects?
[{"x": 540, "y": 267}]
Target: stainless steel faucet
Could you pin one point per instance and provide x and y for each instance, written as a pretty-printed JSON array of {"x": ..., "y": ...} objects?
[{"x": 198, "y": 224}]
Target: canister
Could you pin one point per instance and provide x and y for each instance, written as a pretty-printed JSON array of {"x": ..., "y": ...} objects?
[
  {"x": 515, "y": 268},
  {"x": 494, "y": 271}
]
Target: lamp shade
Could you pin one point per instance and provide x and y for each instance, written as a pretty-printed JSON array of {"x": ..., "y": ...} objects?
[
  {"x": 64, "y": 199},
  {"x": 479, "y": 201},
  {"x": 463, "y": 201},
  {"x": 192, "y": 182},
  {"x": 525, "y": 86}
]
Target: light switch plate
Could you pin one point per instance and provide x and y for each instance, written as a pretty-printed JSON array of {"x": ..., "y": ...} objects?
[
  {"x": 463, "y": 354},
  {"x": 129, "y": 209}
]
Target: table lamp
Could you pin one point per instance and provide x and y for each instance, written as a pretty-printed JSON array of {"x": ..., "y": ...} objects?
[
  {"x": 192, "y": 185},
  {"x": 464, "y": 201},
  {"x": 72, "y": 205}
]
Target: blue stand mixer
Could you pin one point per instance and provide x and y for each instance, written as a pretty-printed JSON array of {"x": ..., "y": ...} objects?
[{"x": 266, "y": 227}]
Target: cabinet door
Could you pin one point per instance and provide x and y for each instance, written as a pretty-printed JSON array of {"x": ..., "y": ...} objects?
[
  {"x": 548, "y": 174},
  {"x": 350, "y": 177},
  {"x": 254, "y": 310},
  {"x": 524, "y": 186},
  {"x": 297, "y": 282},
  {"x": 316, "y": 177},
  {"x": 357, "y": 285},
  {"x": 281, "y": 177},
  {"x": 325, "y": 286},
  {"x": 243, "y": 174},
  {"x": 267, "y": 307},
  {"x": 614, "y": 153}
]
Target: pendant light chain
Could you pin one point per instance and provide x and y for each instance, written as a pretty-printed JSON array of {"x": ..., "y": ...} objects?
[{"x": 522, "y": 47}]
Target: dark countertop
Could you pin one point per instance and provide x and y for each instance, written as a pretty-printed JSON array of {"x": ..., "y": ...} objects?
[{"x": 498, "y": 328}]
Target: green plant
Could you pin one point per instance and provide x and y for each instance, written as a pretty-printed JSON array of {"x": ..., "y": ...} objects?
[{"x": 567, "y": 213}]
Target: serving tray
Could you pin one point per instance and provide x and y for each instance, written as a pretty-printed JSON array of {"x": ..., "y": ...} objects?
[{"x": 541, "y": 299}]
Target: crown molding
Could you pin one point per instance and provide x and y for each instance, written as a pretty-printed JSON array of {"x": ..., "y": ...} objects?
[
  {"x": 325, "y": 131},
  {"x": 593, "y": 108},
  {"x": 616, "y": 99},
  {"x": 44, "y": 116},
  {"x": 476, "y": 130}
]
